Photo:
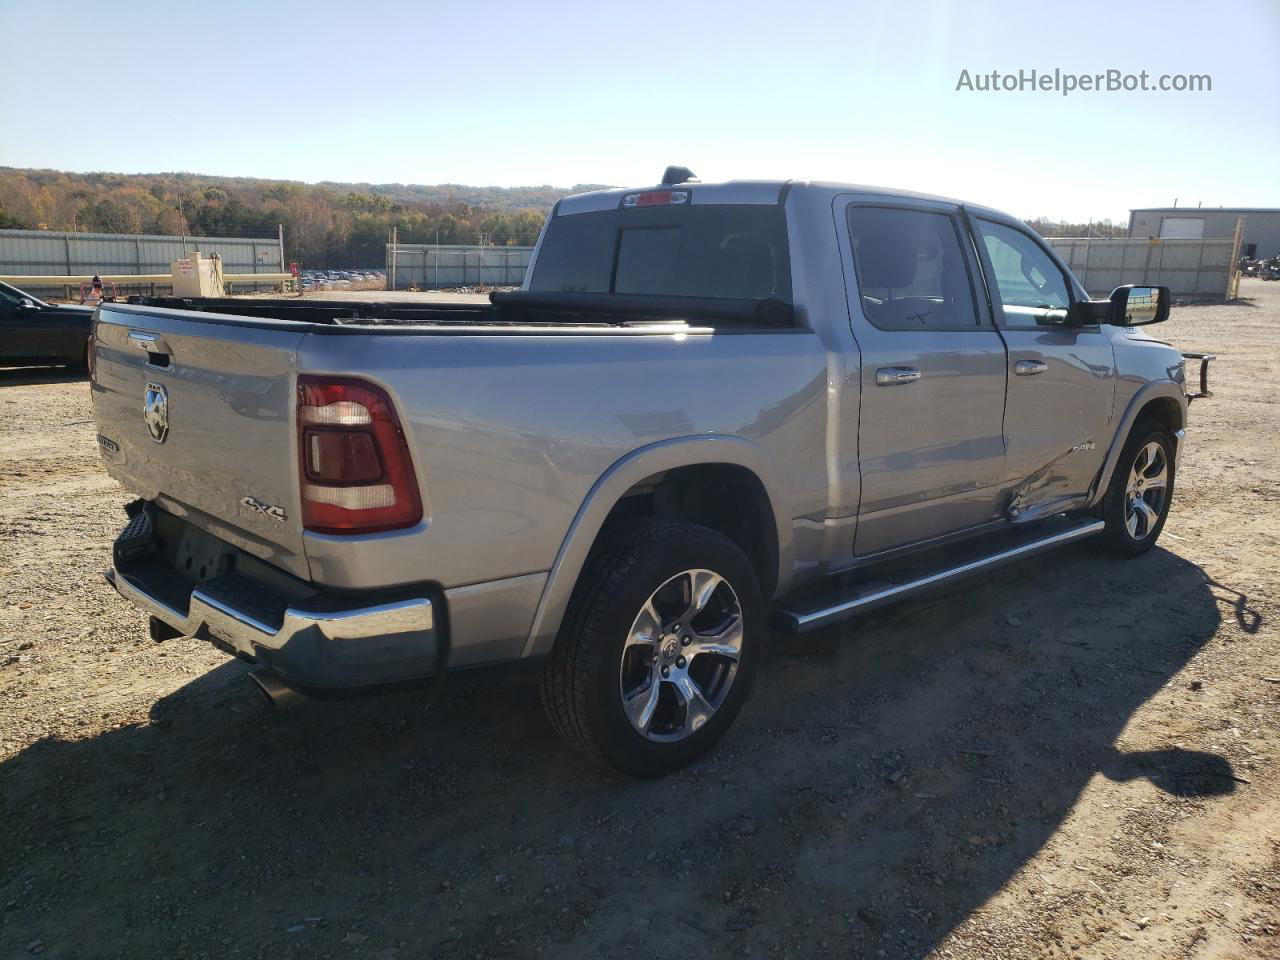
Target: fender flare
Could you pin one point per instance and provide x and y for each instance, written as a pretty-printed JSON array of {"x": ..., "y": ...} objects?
[
  {"x": 1151, "y": 391},
  {"x": 625, "y": 473}
]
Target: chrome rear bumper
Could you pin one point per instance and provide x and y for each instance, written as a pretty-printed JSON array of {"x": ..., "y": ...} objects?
[
  {"x": 313, "y": 638},
  {"x": 321, "y": 644}
]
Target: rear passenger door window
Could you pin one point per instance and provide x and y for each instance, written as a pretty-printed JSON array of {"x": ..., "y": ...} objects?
[
  {"x": 1030, "y": 287},
  {"x": 911, "y": 268}
]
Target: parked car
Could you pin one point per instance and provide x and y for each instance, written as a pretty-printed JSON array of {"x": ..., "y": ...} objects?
[
  {"x": 710, "y": 408},
  {"x": 34, "y": 332}
]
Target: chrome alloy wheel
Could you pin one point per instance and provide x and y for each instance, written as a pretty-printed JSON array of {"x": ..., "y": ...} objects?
[
  {"x": 681, "y": 656},
  {"x": 1146, "y": 491}
]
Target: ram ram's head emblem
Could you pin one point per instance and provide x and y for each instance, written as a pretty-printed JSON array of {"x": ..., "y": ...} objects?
[{"x": 155, "y": 412}]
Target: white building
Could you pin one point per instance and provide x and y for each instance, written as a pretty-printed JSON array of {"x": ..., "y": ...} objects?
[{"x": 1261, "y": 225}]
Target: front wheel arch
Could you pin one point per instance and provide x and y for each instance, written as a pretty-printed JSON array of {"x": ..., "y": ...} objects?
[{"x": 1161, "y": 401}]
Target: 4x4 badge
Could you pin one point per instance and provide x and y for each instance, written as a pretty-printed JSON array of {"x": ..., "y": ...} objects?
[
  {"x": 266, "y": 509},
  {"x": 155, "y": 411}
]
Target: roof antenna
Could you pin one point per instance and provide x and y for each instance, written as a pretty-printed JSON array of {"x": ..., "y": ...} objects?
[{"x": 673, "y": 175}]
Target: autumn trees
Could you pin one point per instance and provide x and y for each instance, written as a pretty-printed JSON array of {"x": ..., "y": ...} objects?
[{"x": 326, "y": 225}]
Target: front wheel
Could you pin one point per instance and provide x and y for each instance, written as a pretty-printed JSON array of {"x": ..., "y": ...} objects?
[
  {"x": 1137, "y": 501},
  {"x": 658, "y": 648}
]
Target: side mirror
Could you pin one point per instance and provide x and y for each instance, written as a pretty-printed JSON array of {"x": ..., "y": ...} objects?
[
  {"x": 1128, "y": 306},
  {"x": 1139, "y": 306},
  {"x": 26, "y": 305}
]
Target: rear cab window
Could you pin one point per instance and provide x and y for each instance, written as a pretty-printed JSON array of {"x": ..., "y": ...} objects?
[{"x": 717, "y": 251}]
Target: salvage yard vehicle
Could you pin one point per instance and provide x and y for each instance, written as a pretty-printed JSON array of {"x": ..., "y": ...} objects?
[
  {"x": 710, "y": 409},
  {"x": 33, "y": 332}
]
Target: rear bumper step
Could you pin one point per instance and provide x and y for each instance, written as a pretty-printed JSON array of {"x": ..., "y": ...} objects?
[{"x": 793, "y": 617}]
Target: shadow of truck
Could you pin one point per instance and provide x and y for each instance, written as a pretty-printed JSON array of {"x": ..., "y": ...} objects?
[{"x": 887, "y": 778}]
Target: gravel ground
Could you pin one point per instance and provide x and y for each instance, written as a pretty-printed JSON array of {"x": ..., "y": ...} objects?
[{"x": 1076, "y": 757}]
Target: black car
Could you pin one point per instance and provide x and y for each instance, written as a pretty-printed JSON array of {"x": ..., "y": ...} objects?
[{"x": 35, "y": 332}]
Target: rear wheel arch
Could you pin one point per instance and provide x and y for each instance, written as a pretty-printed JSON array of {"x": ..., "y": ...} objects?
[
  {"x": 642, "y": 475},
  {"x": 725, "y": 497}
]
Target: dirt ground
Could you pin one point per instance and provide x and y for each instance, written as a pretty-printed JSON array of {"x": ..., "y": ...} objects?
[{"x": 1074, "y": 757}]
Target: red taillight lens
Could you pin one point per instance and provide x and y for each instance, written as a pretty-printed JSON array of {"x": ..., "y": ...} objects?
[{"x": 353, "y": 459}]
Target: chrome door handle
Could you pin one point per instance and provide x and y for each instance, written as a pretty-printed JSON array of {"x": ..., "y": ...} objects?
[
  {"x": 1029, "y": 368},
  {"x": 888, "y": 376}
]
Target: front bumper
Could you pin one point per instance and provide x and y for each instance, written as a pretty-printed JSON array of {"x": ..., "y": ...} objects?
[{"x": 327, "y": 642}]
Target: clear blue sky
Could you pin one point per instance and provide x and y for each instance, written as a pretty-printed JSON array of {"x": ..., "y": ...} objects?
[{"x": 611, "y": 92}]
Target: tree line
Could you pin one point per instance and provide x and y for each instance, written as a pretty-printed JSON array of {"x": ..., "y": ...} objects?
[
  {"x": 326, "y": 225},
  {"x": 1105, "y": 228}
]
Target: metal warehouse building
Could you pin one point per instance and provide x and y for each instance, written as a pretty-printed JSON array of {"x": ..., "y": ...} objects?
[{"x": 1261, "y": 226}]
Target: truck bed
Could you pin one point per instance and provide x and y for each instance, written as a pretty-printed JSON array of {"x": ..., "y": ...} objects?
[
  {"x": 327, "y": 312},
  {"x": 519, "y": 309}
]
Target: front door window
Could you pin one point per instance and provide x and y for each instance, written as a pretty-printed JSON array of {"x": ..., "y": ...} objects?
[{"x": 1030, "y": 288}]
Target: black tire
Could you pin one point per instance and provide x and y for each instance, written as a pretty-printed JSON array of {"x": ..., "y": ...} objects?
[
  {"x": 581, "y": 690},
  {"x": 1117, "y": 539}
]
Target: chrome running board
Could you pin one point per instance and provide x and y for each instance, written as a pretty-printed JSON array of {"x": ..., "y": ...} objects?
[{"x": 791, "y": 617}]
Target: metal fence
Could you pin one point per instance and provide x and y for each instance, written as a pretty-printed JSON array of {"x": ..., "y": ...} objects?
[
  {"x": 48, "y": 252},
  {"x": 429, "y": 265},
  {"x": 1189, "y": 268}
]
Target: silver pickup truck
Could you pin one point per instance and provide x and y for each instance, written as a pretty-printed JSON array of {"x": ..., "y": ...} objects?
[{"x": 711, "y": 410}]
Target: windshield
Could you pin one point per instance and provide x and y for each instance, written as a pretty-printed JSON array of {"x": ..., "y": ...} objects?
[{"x": 721, "y": 251}]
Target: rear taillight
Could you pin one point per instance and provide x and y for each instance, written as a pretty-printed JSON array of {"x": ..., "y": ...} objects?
[{"x": 353, "y": 460}]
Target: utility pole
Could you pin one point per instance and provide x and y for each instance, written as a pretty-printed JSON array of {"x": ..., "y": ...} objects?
[
  {"x": 395, "y": 244},
  {"x": 182, "y": 226}
]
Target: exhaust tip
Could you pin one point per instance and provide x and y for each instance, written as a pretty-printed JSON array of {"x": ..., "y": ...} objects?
[{"x": 278, "y": 693}]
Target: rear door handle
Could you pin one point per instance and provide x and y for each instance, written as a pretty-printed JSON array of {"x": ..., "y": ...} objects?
[
  {"x": 1029, "y": 368},
  {"x": 888, "y": 376}
]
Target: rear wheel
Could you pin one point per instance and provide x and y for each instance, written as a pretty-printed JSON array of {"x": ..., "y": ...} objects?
[
  {"x": 658, "y": 649},
  {"x": 1137, "y": 501}
]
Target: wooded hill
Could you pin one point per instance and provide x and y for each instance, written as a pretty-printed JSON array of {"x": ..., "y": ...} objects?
[{"x": 325, "y": 224}]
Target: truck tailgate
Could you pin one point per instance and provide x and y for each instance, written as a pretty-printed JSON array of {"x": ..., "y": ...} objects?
[{"x": 195, "y": 411}]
